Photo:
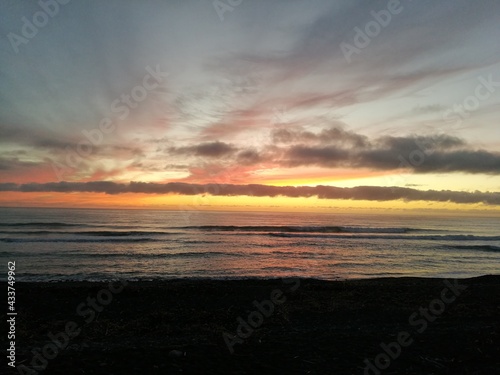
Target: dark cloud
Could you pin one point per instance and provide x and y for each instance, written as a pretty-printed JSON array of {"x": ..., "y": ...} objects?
[
  {"x": 427, "y": 143},
  {"x": 372, "y": 193},
  {"x": 462, "y": 161},
  {"x": 249, "y": 157},
  {"x": 12, "y": 164},
  {"x": 336, "y": 147},
  {"x": 36, "y": 138},
  {"x": 208, "y": 149},
  {"x": 421, "y": 154},
  {"x": 329, "y": 156},
  {"x": 51, "y": 144}
]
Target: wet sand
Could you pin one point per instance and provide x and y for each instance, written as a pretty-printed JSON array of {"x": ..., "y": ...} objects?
[{"x": 379, "y": 326}]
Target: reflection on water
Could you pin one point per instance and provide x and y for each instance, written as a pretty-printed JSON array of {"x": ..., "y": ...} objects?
[{"x": 105, "y": 244}]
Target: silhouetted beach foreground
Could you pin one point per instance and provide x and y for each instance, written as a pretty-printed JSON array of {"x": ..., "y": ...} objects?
[{"x": 282, "y": 326}]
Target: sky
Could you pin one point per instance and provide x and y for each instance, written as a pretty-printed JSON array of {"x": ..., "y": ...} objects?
[{"x": 258, "y": 105}]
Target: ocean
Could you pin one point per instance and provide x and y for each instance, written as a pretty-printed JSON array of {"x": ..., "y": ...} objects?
[{"x": 93, "y": 245}]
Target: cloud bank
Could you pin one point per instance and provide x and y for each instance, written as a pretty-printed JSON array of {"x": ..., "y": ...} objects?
[
  {"x": 335, "y": 147},
  {"x": 371, "y": 193}
]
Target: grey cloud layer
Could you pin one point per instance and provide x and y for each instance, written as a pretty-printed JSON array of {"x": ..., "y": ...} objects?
[
  {"x": 338, "y": 148},
  {"x": 208, "y": 149},
  {"x": 371, "y": 193}
]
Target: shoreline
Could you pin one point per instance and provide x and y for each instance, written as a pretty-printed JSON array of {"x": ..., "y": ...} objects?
[
  {"x": 247, "y": 326},
  {"x": 244, "y": 278}
]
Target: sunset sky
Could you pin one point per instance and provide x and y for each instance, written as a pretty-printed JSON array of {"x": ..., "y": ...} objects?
[{"x": 286, "y": 104}]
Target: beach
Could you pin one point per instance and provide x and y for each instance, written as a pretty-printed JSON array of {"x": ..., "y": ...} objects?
[{"x": 257, "y": 326}]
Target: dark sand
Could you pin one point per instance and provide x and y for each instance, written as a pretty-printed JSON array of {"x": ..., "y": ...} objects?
[{"x": 170, "y": 327}]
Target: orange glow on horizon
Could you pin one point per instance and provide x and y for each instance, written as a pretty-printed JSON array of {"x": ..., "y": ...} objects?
[
  {"x": 223, "y": 203},
  {"x": 319, "y": 177}
]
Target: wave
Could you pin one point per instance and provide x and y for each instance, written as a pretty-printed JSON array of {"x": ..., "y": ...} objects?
[
  {"x": 40, "y": 225},
  {"x": 49, "y": 225},
  {"x": 93, "y": 233},
  {"x": 283, "y": 269},
  {"x": 117, "y": 230},
  {"x": 192, "y": 254},
  {"x": 475, "y": 247},
  {"x": 457, "y": 237},
  {"x": 124, "y": 237},
  {"x": 304, "y": 229},
  {"x": 77, "y": 240}
]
